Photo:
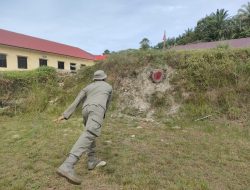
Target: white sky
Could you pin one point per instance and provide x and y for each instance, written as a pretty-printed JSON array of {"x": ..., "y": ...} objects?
[{"x": 96, "y": 25}]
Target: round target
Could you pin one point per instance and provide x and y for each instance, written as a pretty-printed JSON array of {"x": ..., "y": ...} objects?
[{"x": 157, "y": 75}]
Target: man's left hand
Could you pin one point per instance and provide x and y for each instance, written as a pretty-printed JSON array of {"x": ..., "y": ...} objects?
[{"x": 59, "y": 119}]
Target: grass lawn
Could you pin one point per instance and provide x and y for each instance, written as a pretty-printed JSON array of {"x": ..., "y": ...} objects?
[{"x": 140, "y": 154}]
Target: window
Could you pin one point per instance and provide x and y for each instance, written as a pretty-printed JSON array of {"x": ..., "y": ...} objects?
[
  {"x": 60, "y": 65},
  {"x": 83, "y": 65},
  {"x": 22, "y": 62},
  {"x": 72, "y": 66},
  {"x": 43, "y": 62},
  {"x": 3, "y": 60}
]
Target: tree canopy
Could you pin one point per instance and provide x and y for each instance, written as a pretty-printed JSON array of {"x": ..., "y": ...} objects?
[
  {"x": 145, "y": 44},
  {"x": 218, "y": 25}
]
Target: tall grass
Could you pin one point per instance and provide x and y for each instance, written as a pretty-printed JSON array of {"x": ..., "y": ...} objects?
[{"x": 27, "y": 91}]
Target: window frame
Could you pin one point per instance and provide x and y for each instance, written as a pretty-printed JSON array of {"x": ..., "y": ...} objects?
[
  {"x": 73, "y": 67},
  {"x": 83, "y": 65},
  {"x": 19, "y": 64},
  {"x": 58, "y": 65},
  {"x": 4, "y": 64},
  {"x": 42, "y": 64}
]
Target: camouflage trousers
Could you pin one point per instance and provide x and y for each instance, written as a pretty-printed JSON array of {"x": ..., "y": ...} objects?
[{"x": 93, "y": 118}]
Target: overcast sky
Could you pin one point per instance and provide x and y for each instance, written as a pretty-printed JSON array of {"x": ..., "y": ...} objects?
[{"x": 96, "y": 25}]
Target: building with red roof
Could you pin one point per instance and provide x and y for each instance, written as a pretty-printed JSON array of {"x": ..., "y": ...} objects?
[
  {"x": 100, "y": 57},
  {"x": 23, "y": 52}
]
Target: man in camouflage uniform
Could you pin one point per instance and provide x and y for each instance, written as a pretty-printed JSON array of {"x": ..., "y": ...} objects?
[{"x": 96, "y": 97}]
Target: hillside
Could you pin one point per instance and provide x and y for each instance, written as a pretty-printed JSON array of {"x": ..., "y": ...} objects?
[
  {"x": 191, "y": 131},
  {"x": 196, "y": 83}
]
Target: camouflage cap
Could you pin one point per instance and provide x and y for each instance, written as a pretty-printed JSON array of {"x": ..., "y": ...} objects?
[{"x": 99, "y": 75}]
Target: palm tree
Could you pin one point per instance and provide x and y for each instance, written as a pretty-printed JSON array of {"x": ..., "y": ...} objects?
[
  {"x": 188, "y": 32},
  {"x": 244, "y": 12},
  {"x": 220, "y": 15},
  {"x": 220, "y": 18}
]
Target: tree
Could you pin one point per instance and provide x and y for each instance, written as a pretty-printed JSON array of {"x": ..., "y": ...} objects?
[
  {"x": 145, "y": 44},
  {"x": 233, "y": 28},
  {"x": 244, "y": 20},
  {"x": 206, "y": 29},
  {"x": 220, "y": 21},
  {"x": 244, "y": 12},
  {"x": 106, "y": 52},
  {"x": 213, "y": 27},
  {"x": 187, "y": 37},
  {"x": 169, "y": 43},
  {"x": 158, "y": 46}
]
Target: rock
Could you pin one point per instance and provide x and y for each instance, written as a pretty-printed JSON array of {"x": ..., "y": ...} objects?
[
  {"x": 61, "y": 84},
  {"x": 16, "y": 136},
  {"x": 176, "y": 127},
  {"x": 53, "y": 101},
  {"x": 149, "y": 120},
  {"x": 108, "y": 141}
]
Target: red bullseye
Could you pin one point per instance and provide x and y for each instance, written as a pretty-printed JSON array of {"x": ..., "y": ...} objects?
[{"x": 157, "y": 75}]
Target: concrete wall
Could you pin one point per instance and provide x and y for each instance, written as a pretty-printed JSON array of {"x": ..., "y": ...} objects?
[{"x": 33, "y": 57}]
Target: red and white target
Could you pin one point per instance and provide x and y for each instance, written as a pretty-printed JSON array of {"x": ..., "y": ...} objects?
[{"x": 157, "y": 75}]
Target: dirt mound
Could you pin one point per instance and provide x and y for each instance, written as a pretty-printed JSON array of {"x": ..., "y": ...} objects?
[{"x": 141, "y": 94}]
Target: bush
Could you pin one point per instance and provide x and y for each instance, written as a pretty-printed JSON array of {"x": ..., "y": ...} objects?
[
  {"x": 27, "y": 91},
  {"x": 223, "y": 46}
]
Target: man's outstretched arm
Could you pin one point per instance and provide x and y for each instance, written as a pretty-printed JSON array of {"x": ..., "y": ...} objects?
[{"x": 68, "y": 112}]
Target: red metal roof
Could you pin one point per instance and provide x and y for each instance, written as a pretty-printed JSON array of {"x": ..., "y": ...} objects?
[
  {"x": 100, "y": 57},
  {"x": 235, "y": 43},
  {"x": 23, "y": 41}
]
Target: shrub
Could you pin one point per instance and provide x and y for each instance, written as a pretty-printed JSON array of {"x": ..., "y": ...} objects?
[
  {"x": 23, "y": 90},
  {"x": 222, "y": 46}
]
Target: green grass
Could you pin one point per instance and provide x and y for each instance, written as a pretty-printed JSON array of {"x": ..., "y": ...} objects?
[
  {"x": 39, "y": 73},
  {"x": 193, "y": 155}
]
